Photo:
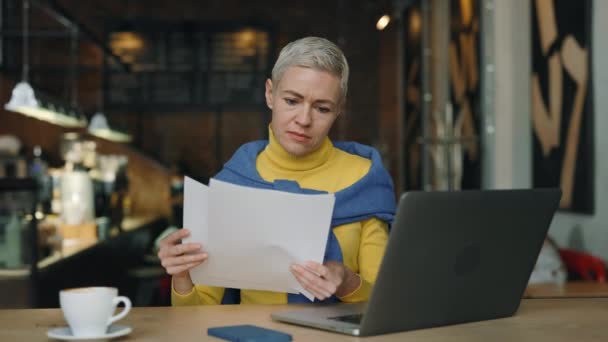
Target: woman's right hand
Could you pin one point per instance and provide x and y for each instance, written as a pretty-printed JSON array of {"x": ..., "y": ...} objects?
[{"x": 178, "y": 258}]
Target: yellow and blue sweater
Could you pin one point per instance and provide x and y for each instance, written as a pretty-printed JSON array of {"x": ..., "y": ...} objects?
[{"x": 364, "y": 208}]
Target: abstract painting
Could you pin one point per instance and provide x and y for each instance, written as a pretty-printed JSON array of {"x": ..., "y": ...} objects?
[{"x": 562, "y": 111}]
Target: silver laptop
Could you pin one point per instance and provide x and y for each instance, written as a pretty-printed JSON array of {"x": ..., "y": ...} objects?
[{"x": 452, "y": 257}]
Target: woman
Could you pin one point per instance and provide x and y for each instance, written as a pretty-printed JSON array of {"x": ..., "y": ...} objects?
[{"x": 306, "y": 95}]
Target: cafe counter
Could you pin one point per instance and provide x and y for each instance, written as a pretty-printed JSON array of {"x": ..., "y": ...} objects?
[{"x": 90, "y": 262}]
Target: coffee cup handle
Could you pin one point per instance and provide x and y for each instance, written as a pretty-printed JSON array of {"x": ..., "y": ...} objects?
[{"x": 124, "y": 311}]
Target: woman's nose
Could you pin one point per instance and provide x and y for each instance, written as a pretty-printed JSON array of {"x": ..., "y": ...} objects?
[{"x": 304, "y": 116}]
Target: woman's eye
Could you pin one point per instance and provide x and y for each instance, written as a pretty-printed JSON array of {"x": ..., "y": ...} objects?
[
  {"x": 324, "y": 110},
  {"x": 290, "y": 102}
]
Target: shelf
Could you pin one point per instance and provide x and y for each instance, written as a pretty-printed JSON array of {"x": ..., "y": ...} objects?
[{"x": 18, "y": 184}]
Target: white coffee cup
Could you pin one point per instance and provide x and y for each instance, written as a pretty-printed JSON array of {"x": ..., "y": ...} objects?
[{"x": 89, "y": 310}]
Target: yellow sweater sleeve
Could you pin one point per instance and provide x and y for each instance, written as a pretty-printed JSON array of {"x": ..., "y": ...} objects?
[
  {"x": 199, "y": 295},
  {"x": 373, "y": 240}
]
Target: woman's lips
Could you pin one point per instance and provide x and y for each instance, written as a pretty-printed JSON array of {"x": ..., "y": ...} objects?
[{"x": 298, "y": 136}]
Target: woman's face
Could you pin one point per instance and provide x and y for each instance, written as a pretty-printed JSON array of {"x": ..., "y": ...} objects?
[{"x": 304, "y": 106}]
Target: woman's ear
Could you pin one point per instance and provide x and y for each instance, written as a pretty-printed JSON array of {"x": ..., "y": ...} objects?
[{"x": 268, "y": 93}]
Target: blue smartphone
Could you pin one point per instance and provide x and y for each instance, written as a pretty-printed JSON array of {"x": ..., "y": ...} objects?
[{"x": 248, "y": 333}]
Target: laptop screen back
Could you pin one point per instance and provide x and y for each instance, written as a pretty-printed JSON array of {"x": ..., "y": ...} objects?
[{"x": 456, "y": 257}]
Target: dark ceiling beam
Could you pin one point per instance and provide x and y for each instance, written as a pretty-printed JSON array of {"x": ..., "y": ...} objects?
[{"x": 54, "y": 9}]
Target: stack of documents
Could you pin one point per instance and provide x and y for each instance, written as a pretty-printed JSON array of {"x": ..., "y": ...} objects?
[{"x": 253, "y": 235}]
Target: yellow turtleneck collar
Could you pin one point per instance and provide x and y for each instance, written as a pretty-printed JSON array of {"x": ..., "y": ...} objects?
[{"x": 283, "y": 160}]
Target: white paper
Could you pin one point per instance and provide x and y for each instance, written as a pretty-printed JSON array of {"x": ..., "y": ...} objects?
[
  {"x": 253, "y": 235},
  {"x": 196, "y": 202}
]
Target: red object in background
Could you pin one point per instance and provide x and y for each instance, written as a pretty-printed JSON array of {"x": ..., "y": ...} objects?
[
  {"x": 165, "y": 290},
  {"x": 583, "y": 265}
]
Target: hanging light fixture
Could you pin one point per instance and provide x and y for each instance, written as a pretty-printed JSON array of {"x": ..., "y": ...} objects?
[
  {"x": 382, "y": 22},
  {"x": 392, "y": 12},
  {"x": 23, "y": 98},
  {"x": 99, "y": 127}
]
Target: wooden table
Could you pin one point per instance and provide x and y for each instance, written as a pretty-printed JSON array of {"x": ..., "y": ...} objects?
[
  {"x": 568, "y": 290},
  {"x": 537, "y": 320}
]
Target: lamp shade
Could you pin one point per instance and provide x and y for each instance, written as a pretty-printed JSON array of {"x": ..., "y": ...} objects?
[
  {"x": 23, "y": 100},
  {"x": 22, "y": 96},
  {"x": 99, "y": 127}
]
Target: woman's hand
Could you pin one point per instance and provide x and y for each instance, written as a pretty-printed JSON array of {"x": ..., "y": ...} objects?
[
  {"x": 323, "y": 281},
  {"x": 178, "y": 258}
]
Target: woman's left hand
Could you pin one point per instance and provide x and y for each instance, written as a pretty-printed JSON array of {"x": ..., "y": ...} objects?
[{"x": 323, "y": 281}]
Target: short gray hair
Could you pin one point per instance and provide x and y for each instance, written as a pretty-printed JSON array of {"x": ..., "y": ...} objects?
[{"x": 315, "y": 53}]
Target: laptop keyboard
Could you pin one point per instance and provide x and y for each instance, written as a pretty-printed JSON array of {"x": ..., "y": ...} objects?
[{"x": 354, "y": 319}]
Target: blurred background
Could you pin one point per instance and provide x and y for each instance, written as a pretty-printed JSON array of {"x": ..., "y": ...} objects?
[{"x": 106, "y": 105}]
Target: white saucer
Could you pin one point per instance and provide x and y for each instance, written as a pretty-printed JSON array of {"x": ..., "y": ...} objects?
[{"x": 64, "y": 333}]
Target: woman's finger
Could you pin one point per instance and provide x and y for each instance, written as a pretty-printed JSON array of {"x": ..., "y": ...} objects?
[
  {"x": 319, "y": 269},
  {"x": 315, "y": 291},
  {"x": 183, "y": 259},
  {"x": 311, "y": 281},
  {"x": 332, "y": 271},
  {"x": 185, "y": 248},
  {"x": 174, "y": 237},
  {"x": 311, "y": 277},
  {"x": 322, "y": 277},
  {"x": 169, "y": 251},
  {"x": 179, "y": 269}
]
